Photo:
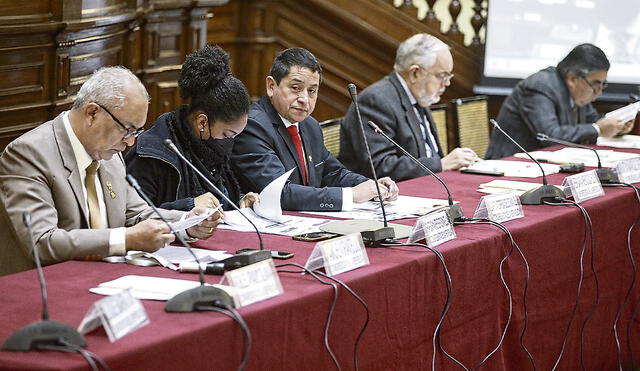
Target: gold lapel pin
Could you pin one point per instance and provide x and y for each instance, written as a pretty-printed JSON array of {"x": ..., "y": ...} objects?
[
  {"x": 110, "y": 188},
  {"x": 310, "y": 158}
]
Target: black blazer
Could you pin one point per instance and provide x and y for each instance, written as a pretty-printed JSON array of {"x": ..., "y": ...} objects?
[
  {"x": 387, "y": 104},
  {"x": 541, "y": 103},
  {"x": 264, "y": 151}
]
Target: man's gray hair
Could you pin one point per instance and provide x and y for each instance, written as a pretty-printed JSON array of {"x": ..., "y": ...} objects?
[
  {"x": 108, "y": 86},
  {"x": 420, "y": 49}
]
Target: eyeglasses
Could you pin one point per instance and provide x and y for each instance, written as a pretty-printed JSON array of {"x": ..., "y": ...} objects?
[
  {"x": 444, "y": 76},
  {"x": 596, "y": 86},
  {"x": 129, "y": 132}
]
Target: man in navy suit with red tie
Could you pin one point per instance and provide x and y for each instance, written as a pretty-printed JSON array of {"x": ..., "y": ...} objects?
[{"x": 281, "y": 135}]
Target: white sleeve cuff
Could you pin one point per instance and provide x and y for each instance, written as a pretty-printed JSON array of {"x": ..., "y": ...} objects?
[
  {"x": 347, "y": 199},
  {"x": 597, "y": 128},
  {"x": 117, "y": 240}
]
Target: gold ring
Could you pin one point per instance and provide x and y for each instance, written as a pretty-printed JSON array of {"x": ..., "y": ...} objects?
[{"x": 211, "y": 230}]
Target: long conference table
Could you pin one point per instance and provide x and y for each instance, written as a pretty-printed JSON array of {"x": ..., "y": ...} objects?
[{"x": 405, "y": 292}]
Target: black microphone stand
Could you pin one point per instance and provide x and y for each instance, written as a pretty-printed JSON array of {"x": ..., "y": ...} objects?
[
  {"x": 536, "y": 196},
  {"x": 606, "y": 176},
  {"x": 44, "y": 333},
  {"x": 376, "y": 235},
  {"x": 203, "y": 295},
  {"x": 454, "y": 211}
]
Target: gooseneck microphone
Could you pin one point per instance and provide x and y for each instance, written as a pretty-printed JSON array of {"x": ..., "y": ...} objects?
[
  {"x": 45, "y": 333},
  {"x": 386, "y": 231},
  {"x": 535, "y": 196},
  {"x": 169, "y": 144},
  {"x": 605, "y": 175},
  {"x": 192, "y": 299},
  {"x": 454, "y": 211}
]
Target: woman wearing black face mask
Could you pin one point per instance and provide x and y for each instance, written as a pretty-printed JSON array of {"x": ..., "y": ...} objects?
[{"x": 203, "y": 130}]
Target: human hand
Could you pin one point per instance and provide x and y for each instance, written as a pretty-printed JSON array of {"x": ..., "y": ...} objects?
[
  {"x": 207, "y": 227},
  {"x": 458, "y": 158},
  {"x": 148, "y": 235},
  {"x": 627, "y": 127},
  {"x": 610, "y": 126},
  {"x": 366, "y": 191},
  {"x": 207, "y": 201},
  {"x": 249, "y": 199},
  {"x": 391, "y": 187}
]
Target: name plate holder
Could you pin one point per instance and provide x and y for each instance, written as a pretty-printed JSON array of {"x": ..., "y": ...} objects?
[
  {"x": 119, "y": 314},
  {"x": 339, "y": 255},
  {"x": 628, "y": 170},
  {"x": 583, "y": 186},
  {"x": 254, "y": 282},
  {"x": 500, "y": 207},
  {"x": 435, "y": 228}
]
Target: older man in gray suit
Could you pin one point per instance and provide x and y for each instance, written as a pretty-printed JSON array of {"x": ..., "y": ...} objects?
[
  {"x": 399, "y": 104},
  {"x": 557, "y": 101},
  {"x": 68, "y": 174}
]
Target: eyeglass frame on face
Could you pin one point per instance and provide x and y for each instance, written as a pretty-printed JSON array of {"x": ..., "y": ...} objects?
[
  {"x": 129, "y": 132},
  {"x": 601, "y": 85},
  {"x": 443, "y": 76}
]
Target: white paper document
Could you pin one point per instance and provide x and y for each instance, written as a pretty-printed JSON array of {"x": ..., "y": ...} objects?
[
  {"x": 194, "y": 220},
  {"x": 269, "y": 206},
  {"x": 625, "y": 141},
  {"x": 180, "y": 254},
  {"x": 518, "y": 169},
  {"x": 582, "y": 156},
  {"x": 288, "y": 226},
  {"x": 143, "y": 287},
  {"x": 402, "y": 208},
  {"x": 625, "y": 113},
  {"x": 500, "y": 186}
]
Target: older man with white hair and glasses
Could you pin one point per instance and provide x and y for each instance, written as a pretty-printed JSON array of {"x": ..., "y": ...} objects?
[
  {"x": 399, "y": 105},
  {"x": 69, "y": 176}
]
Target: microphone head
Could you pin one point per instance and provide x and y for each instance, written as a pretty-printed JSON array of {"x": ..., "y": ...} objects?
[
  {"x": 373, "y": 126},
  {"x": 168, "y": 143},
  {"x": 26, "y": 218},
  {"x": 353, "y": 91},
  {"x": 492, "y": 121},
  {"x": 132, "y": 181},
  {"x": 542, "y": 137}
]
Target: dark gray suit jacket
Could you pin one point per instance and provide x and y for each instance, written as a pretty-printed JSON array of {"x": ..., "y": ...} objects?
[
  {"x": 264, "y": 151},
  {"x": 541, "y": 103},
  {"x": 387, "y": 104},
  {"x": 39, "y": 174}
]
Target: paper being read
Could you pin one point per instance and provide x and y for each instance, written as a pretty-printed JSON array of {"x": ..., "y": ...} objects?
[{"x": 269, "y": 206}]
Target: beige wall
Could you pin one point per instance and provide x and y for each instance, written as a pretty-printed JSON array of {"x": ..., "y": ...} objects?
[{"x": 441, "y": 8}]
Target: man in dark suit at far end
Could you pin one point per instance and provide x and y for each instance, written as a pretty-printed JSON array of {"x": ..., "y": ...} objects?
[
  {"x": 399, "y": 105},
  {"x": 281, "y": 135},
  {"x": 557, "y": 101}
]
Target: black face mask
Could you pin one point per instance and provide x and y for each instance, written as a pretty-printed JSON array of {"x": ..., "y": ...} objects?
[{"x": 222, "y": 147}]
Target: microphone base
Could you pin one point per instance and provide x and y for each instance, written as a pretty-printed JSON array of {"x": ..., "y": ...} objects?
[
  {"x": 43, "y": 333},
  {"x": 607, "y": 176},
  {"x": 455, "y": 213},
  {"x": 191, "y": 300},
  {"x": 375, "y": 237},
  {"x": 536, "y": 196}
]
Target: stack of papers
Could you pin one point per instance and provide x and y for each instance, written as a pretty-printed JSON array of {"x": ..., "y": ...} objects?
[
  {"x": 625, "y": 141},
  {"x": 517, "y": 169},
  {"x": 150, "y": 288},
  {"x": 500, "y": 186},
  {"x": 581, "y": 156},
  {"x": 402, "y": 208}
]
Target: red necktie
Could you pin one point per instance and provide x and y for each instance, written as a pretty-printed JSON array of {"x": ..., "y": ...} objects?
[{"x": 295, "y": 137}]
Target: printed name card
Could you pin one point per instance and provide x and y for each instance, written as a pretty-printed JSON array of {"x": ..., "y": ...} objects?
[
  {"x": 339, "y": 255},
  {"x": 500, "y": 207},
  {"x": 435, "y": 228},
  {"x": 254, "y": 282},
  {"x": 584, "y": 186},
  {"x": 119, "y": 314},
  {"x": 629, "y": 170}
]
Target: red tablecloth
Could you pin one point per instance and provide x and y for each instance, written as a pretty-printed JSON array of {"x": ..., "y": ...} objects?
[{"x": 405, "y": 292}]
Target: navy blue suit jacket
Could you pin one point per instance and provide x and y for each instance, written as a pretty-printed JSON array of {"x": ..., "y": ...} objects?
[{"x": 264, "y": 151}]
